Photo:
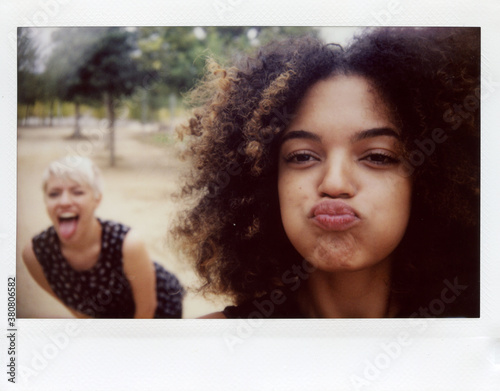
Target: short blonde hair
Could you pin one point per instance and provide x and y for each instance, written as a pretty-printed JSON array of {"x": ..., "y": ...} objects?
[{"x": 77, "y": 168}]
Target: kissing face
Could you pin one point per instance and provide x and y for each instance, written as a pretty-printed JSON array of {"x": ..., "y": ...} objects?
[{"x": 343, "y": 201}]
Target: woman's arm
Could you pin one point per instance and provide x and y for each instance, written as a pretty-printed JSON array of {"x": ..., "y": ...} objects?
[
  {"x": 140, "y": 271},
  {"x": 36, "y": 271}
]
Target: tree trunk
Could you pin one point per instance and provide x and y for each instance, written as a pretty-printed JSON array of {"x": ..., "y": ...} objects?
[
  {"x": 77, "y": 132},
  {"x": 144, "y": 109},
  {"x": 51, "y": 113},
  {"x": 26, "y": 115},
  {"x": 172, "y": 104},
  {"x": 110, "y": 104},
  {"x": 59, "y": 112}
]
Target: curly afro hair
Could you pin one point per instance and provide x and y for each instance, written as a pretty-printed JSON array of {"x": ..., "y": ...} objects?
[{"x": 429, "y": 78}]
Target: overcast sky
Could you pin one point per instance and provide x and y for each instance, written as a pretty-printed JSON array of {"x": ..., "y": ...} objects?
[{"x": 42, "y": 36}]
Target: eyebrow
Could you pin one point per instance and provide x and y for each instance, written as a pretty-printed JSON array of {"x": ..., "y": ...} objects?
[
  {"x": 361, "y": 135},
  {"x": 301, "y": 134},
  {"x": 61, "y": 187},
  {"x": 375, "y": 132}
]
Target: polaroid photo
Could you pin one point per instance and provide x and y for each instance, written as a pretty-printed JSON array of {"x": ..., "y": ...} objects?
[{"x": 171, "y": 162}]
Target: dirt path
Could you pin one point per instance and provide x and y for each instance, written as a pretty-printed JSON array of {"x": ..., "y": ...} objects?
[{"x": 136, "y": 192}]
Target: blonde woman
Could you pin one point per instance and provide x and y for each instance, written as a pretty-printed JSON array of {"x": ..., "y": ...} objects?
[{"x": 96, "y": 268}]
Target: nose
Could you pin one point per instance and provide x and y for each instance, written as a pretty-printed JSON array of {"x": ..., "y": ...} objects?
[
  {"x": 338, "y": 178},
  {"x": 65, "y": 198}
]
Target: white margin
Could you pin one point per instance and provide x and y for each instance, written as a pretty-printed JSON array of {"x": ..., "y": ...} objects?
[{"x": 281, "y": 354}]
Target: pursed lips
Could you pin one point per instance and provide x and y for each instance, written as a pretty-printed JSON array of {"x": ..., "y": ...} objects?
[{"x": 334, "y": 215}]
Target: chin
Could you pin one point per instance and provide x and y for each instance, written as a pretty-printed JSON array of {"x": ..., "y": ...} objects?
[
  {"x": 336, "y": 265},
  {"x": 334, "y": 253}
]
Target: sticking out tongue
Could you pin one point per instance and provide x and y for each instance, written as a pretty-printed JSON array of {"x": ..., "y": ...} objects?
[{"x": 67, "y": 227}]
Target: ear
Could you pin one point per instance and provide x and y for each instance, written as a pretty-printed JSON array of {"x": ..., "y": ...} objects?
[{"x": 98, "y": 199}]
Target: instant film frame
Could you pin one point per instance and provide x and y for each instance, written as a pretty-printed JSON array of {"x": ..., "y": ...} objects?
[{"x": 458, "y": 354}]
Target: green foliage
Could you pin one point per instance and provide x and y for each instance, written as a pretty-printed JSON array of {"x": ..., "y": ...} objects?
[
  {"x": 28, "y": 83},
  {"x": 268, "y": 34},
  {"x": 26, "y": 50},
  {"x": 29, "y": 86},
  {"x": 72, "y": 49},
  {"x": 159, "y": 139},
  {"x": 109, "y": 67},
  {"x": 86, "y": 63},
  {"x": 67, "y": 109},
  {"x": 142, "y": 67},
  {"x": 99, "y": 112},
  {"x": 176, "y": 56}
]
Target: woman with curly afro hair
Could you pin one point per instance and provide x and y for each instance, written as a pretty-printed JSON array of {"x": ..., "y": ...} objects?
[{"x": 339, "y": 183}]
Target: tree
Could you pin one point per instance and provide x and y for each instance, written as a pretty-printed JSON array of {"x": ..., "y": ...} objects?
[
  {"x": 178, "y": 54},
  {"x": 172, "y": 56},
  {"x": 110, "y": 72},
  {"x": 27, "y": 80},
  {"x": 72, "y": 47}
]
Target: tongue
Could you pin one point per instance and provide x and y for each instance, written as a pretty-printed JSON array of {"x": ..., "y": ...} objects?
[{"x": 67, "y": 228}]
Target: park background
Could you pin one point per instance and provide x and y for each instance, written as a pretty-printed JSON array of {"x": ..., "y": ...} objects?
[{"x": 116, "y": 95}]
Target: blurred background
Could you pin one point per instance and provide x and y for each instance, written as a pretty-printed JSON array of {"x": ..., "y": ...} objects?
[{"x": 115, "y": 95}]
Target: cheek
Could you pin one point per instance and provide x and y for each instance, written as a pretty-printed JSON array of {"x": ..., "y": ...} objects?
[
  {"x": 403, "y": 199},
  {"x": 284, "y": 200},
  {"x": 89, "y": 204},
  {"x": 49, "y": 206},
  {"x": 395, "y": 208},
  {"x": 50, "y": 209},
  {"x": 292, "y": 195},
  {"x": 296, "y": 197}
]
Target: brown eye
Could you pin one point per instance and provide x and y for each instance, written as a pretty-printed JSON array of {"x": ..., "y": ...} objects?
[
  {"x": 300, "y": 157},
  {"x": 381, "y": 159}
]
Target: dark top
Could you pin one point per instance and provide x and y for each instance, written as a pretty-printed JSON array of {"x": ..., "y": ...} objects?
[
  {"x": 104, "y": 290},
  {"x": 280, "y": 303}
]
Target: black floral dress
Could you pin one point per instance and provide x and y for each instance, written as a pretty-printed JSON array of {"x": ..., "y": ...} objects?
[{"x": 104, "y": 290}]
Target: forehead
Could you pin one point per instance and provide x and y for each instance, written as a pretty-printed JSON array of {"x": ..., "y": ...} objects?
[
  {"x": 64, "y": 181},
  {"x": 346, "y": 101}
]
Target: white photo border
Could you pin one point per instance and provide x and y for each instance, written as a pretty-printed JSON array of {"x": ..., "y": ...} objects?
[{"x": 388, "y": 354}]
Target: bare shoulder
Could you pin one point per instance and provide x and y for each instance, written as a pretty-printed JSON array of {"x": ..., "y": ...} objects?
[
  {"x": 214, "y": 315},
  {"x": 35, "y": 268},
  {"x": 136, "y": 260},
  {"x": 134, "y": 248},
  {"x": 133, "y": 241},
  {"x": 32, "y": 264},
  {"x": 29, "y": 257}
]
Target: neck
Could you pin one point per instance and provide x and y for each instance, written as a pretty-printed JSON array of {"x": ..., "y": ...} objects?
[{"x": 358, "y": 294}]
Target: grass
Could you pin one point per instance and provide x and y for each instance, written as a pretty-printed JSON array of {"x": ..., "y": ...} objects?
[{"x": 160, "y": 139}]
